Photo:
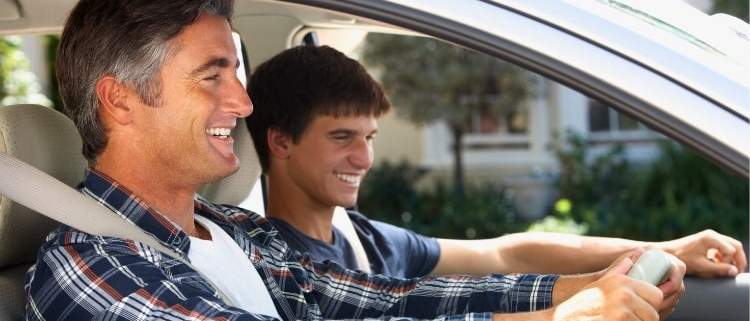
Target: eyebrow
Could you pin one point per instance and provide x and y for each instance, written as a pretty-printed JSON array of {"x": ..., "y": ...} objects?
[
  {"x": 340, "y": 131},
  {"x": 215, "y": 62}
]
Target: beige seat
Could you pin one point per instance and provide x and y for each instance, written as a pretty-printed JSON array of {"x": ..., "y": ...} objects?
[{"x": 49, "y": 141}]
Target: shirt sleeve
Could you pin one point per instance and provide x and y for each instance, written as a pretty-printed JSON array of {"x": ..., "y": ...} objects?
[
  {"x": 420, "y": 253},
  {"x": 346, "y": 294}
]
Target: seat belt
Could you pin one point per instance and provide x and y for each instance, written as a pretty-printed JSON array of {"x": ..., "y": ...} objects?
[
  {"x": 342, "y": 221},
  {"x": 37, "y": 190}
]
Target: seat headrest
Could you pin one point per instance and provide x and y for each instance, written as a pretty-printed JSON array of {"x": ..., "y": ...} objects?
[
  {"x": 236, "y": 188},
  {"x": 47, "y": 140}
]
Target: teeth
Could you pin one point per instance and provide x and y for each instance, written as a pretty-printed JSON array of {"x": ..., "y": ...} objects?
[
  {"x": 219, "y": 132},
  {"x": 352, "y": 179}
]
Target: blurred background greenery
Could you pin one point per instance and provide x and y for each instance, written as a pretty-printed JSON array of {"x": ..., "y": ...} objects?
[{"x": 677, "y": 194}]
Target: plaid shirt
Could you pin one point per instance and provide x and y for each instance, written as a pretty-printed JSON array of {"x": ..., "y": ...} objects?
[{"x": 79, "y": 276}]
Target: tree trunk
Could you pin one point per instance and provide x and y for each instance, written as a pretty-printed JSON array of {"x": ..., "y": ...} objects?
[{"x": 458, "y": 160}]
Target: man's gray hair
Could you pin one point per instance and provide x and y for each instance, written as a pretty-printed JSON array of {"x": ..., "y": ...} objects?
[{"x": 127, "y": 39}]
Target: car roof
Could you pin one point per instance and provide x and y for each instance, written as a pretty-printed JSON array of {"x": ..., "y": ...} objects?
[{"x": 708, "y": 54}]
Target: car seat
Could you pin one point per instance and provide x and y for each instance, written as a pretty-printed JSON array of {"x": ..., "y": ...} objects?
[{"x": 48, "y": 140}]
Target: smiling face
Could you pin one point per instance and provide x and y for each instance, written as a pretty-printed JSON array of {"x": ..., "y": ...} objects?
[
  {"x": 331, "y": 158},
  {"x": 186, "y": 137}
]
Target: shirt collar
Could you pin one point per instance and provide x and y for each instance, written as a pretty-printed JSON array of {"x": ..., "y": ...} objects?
[{"x": 127, "y": 205}]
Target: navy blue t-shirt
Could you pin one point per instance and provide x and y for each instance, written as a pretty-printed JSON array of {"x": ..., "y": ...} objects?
[{"x": 391, "y": 250}]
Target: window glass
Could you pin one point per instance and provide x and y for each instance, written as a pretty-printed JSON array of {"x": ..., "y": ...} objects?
[{"x": 532, "y": 155}]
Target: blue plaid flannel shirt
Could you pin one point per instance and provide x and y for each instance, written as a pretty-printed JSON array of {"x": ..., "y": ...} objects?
[{"x": 78, "y": 276}]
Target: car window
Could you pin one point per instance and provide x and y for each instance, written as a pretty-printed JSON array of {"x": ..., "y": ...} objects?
[{"x": 532, "y": 155}]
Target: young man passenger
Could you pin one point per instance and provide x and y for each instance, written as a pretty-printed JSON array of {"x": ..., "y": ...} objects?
[
  {"x": 315, "y": 118},
  {"x": 314, "y": 121},
  {"x": 151, "y": 86}
]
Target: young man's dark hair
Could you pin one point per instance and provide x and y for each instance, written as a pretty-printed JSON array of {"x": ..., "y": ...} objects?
[
  {"x": 340, "y": 87},
  {"x": 113, "y": 42}
]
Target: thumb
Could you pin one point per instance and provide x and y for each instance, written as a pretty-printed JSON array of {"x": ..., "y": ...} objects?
[{"x": 621, "y": 266}]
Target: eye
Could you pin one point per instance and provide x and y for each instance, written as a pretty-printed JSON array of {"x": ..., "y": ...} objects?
[
  {"x": 212, "y": 77},
  {"x": 341, "y": 138},
  {"x": 370, "y": 138}
]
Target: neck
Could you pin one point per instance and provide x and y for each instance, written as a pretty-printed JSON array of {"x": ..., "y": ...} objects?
[
  {"x": 296, "y": 209},
  {"x": 163, "y": 194}
]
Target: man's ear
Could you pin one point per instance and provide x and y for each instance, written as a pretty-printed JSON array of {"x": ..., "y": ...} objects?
[
  {"x": 114, "y": 99},
  {"x": 279, "y": 143}
]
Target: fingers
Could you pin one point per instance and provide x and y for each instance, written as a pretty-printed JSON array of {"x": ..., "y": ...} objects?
[
  {"x": 670, "y": 287},
  {"x": 631, "y": 299},
  {"x": 643, "y": 309},
  {"x": 727, "y": 255},
  {"x": 670, "y": 301},
  {"x": 623, "y": 264},
  {"x": 675, "y": 278},
  {"x": 740, "y": 259},
  {"x": 669, "y": 304},
  {"x": 716, "y": 255},
  {"x": 720, "y": 242},
  {"x": 649, "y": 293}
]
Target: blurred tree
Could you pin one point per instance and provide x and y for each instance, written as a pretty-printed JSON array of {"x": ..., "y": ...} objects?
[
  {"x": 18, "y": 84},
  {"x": 7, "y": 63},
  {"x": 51, "y": 43},
  {"x": 429, "y": 80}
]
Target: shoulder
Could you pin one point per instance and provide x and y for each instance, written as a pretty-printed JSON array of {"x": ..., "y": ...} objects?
[
  {"x": 365, "y": 224},
  {"x": 67, "y": 243}
]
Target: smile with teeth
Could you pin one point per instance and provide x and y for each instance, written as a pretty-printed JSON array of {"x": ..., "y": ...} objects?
[
  {"x": 221, "y": 133},
  {"x": 351, "y": 179}
]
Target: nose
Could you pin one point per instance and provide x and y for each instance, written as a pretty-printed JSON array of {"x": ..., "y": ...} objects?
[
  {"x": 362, "y": 154},
  {"x": 237, "y": 100}
]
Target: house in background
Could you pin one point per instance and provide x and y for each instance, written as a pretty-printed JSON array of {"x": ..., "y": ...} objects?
[{"x": 518, "y": 151}]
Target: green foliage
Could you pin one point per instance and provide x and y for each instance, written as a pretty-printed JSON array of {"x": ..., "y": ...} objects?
[
  {"x": 8, "y": 61},
  {"x": 561, "y": 222},
  {"x": 389, "y": 194},
  {"x": 51, "y": 44},
  {"x": 17, "y": 83},
  {"x": 678, "y": 194}
]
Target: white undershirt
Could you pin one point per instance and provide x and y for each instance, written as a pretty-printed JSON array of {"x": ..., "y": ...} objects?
[{"x": 223, "y": 262}]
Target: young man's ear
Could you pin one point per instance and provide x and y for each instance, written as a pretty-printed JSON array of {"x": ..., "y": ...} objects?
[
  {"x": 279, "y": 143},
  {"x": 114, "y": 99}
]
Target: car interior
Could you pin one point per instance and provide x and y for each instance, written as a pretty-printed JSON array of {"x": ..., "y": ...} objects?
[{"x": 41, "y": 137}]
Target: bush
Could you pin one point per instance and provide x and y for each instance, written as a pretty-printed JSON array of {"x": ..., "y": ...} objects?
[
  {"x": 389, "y": 194},
  {"x": 678, "y": 194}
]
